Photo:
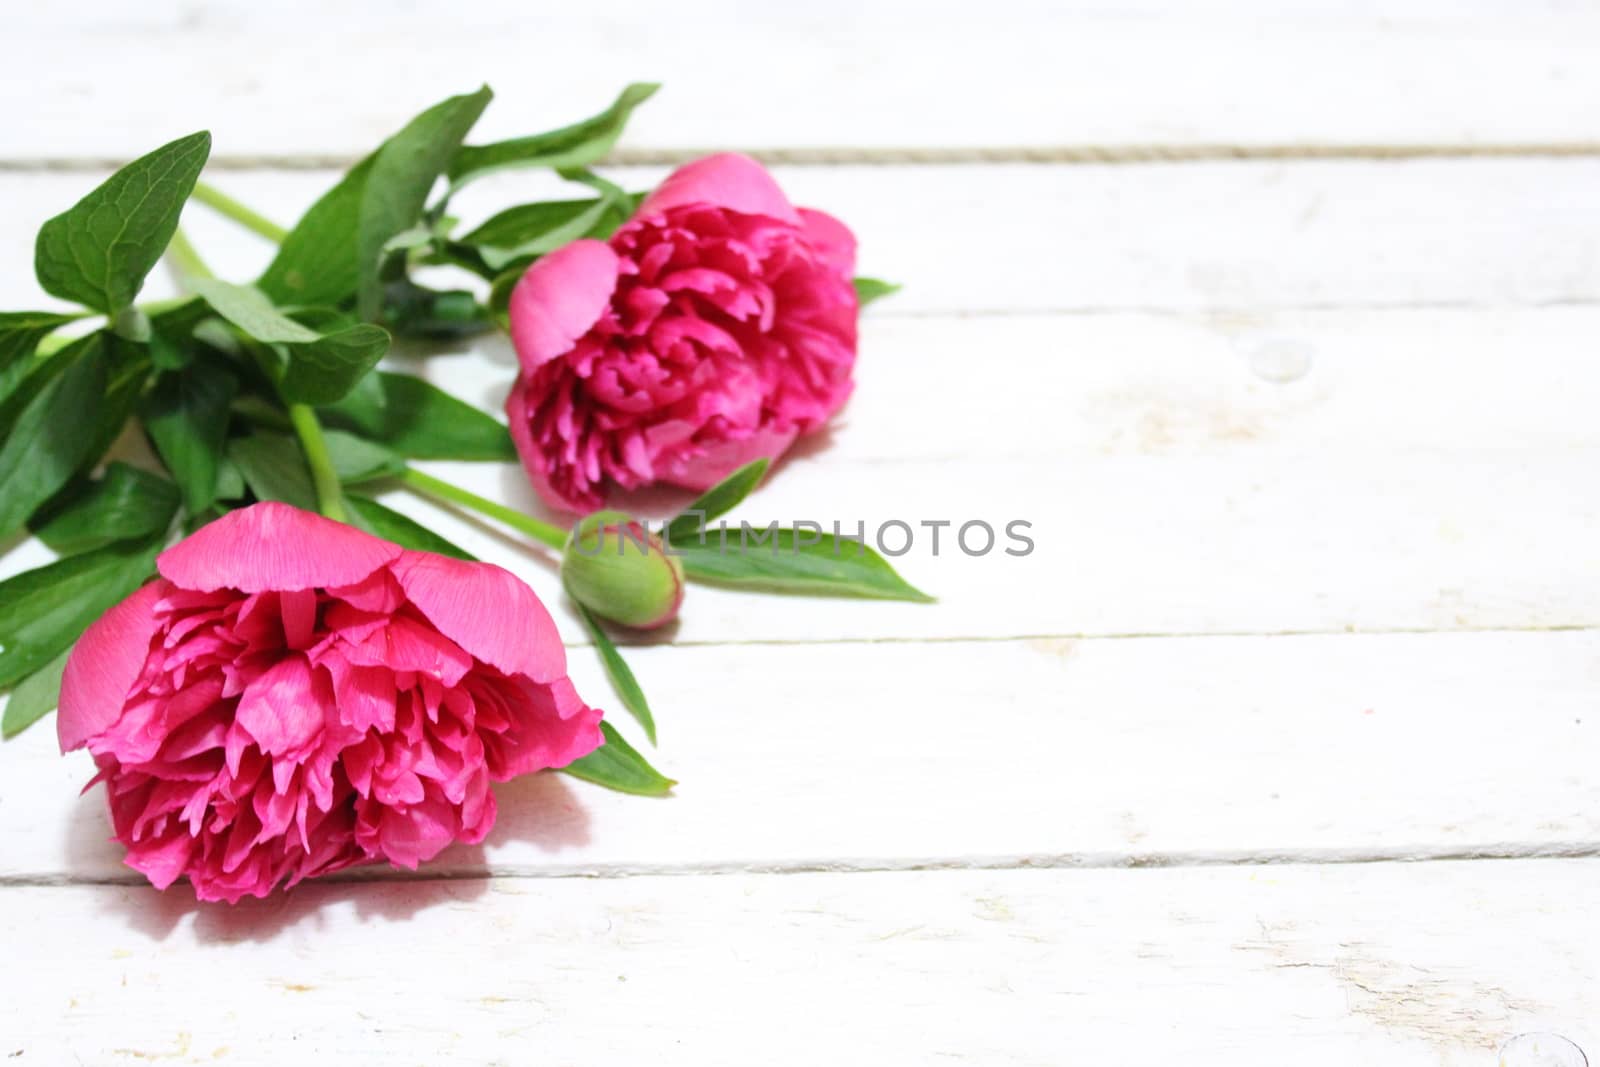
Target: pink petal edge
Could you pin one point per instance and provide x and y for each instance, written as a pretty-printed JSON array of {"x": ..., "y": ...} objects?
[
  {"x": 273, "y": 546},
  {"x": 726, "y": 180},
  {"x": 103, "y": 666},
  {"x": 559, "y": 298}
]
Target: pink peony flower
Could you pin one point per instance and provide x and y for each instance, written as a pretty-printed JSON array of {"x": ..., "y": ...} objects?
[
  {"x": 293, "y": 696},
  {"x": 715, "y": 327}
]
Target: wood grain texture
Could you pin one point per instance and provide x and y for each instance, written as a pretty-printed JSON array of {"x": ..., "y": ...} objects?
[
  {"x": 302, "y": 78},
  {"x": 1427, "y": 965},
  {"x": 1050, "y": 752}
]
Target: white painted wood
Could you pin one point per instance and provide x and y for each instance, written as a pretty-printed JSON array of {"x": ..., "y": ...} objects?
[
  {"x": 1045, "y": 751},
  {"x": 1016, "y": 238},
  {"x": 1433, "y": 965},
  {"x": 288, "y": 79}
]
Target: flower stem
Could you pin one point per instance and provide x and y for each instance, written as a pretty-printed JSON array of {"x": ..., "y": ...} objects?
[
  {"x": 184, "y": 257},
  {"x": 330, "y": 498},
  {"x": 225, "y": 205},
  {"x": 429, "y": 486}
]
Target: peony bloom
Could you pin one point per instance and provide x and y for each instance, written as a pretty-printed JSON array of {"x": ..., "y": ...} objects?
[
  {"x": 293, "y": 696},
  {"x": 715, "y": 327}
]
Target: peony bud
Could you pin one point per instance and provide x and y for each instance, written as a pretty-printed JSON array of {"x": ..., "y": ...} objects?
[{"x": 620, "y": 571}]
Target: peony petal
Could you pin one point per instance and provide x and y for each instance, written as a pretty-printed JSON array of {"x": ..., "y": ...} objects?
[
  {"x": 272, "y": 546},
  {"x": 726, "y": 180},
  {"x": 281, "y": 709},
  {"x": 486, "y": 610},
  {"x": 534, "y": 460},
  {"x": 104, "y": 665},
  {"x": 559, "y": 298},
  {"x": 724, "y": 457},
  {"x": 832, "y": 239}
]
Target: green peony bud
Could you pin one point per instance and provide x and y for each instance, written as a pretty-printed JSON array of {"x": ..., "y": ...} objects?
[{"x": 619, "y": 570}]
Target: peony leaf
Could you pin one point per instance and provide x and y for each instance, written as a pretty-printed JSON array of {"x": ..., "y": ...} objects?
[
  {"x": 421, "y": 421},
  {"x": 618, "y": 765},
  {"x": 53, "y": 434},
  {"x": 577, "y": 145},
  {"x": 358, "y": 460},
  {"x": 20, "y": 334},
  {"x": 622, "y": 679},
  {"x": 126, "y": 502},
  {"x": 325, "y": 370},
  {"x": 397, "y": 185},
  {"x": 186, "y": 416},
  {"x": 274, "y": 468},
  {"x": 870, "y": 289},
  {"x": 252, "y": 311},
  {"x": 718, "y": 500},
  {"x": 316, "y": 264},
  {"x": 98, "y": 252},
  {"x": 534, "y": 229},
  {"x": 43, "y": 611},
  {"x": 34, "y": 697},
  {"x": 403, "y": 530},
  {"x": 779, "y": 559}
]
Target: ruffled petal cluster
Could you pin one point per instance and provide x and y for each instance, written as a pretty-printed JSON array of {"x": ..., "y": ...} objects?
[
  {"x": 715, "y": 327},
  {"x": 292, "y": 697}
]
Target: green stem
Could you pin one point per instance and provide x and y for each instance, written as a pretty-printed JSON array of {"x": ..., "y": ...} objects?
[
  {"x": 225, "y": 205},
  {"x": 330, "y": 498},
  {"x": 429, "y": 486},
  {"x": 185, "y": 258}
]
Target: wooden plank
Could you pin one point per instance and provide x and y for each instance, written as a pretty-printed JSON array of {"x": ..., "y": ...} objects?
[
  {"x": 1434, "y": 964},
  {"x": 1021, "y": 238},
  {"x": 1035, "y": 77},
  {"x": 1049, "y": 752}
]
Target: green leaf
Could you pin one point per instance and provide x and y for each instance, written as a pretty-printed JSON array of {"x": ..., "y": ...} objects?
[
  {"x": 325, "y": 370},
  {"x": 577, "y": 145},
  {"x": 250, "y": 309},
  {"x": 43, "y": 611},
  {"x": 402, "y": 174},
  {"x": 126, "y": 502},
  {"x": 718, "y": 500},
  {"x": 230, "y": 480},
  {"x": 870, "y": 289},
  {"x": 617, "y": 765},
  {"x": 274, "y": 468},
  {"x": 21, "y": 332},
  {"x": 34, "y": 697},
  {"x": 98, "y": 252},
  {"x": 418, "y": 311},
  {"x": 534, "y": 229},
  {"x": 359, "y": 460},
  {"x": 421, "y": 421},
  {"x": 186, "y": 416},
  {"x": 782, "y": 562},
  {"x": 316, "y": 264},
  {"x": 622, "y": 679},
  {"x": 52, "y": 436},
  {"x": 403, "y": 530}
]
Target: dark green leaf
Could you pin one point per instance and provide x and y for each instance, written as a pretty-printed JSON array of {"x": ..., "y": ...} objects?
[
  {"x": 718, "y": 500},
  {"x": 325, "y": 370},
  {"x": 274, "y": 468},
  {"x": 21, "y": 332},
  {"x": 403, "y": 172},
  {"x": 99, "y": 251},
  {"x": 577, "y": 145},
  {"x": 779, "y": 560},
  {"x": 52, "y": 437},
  {"x": 316, "y": 264},
  {"x": 418, "y": 311},
  {"x": 359, "y": 460},
  {"x": 126, "y": 502},
  {"x": 34, "y": 697},
  {"x": 870, "y": 289},
  {"x": 618, "y": 765},
  {"x": 403, "y": 530},
  {"x": 421, "y": 421},
  {"x": 186, "y": 416},
  {"x": 622, "y": 679},
  {"x": 43, "y": 611}
]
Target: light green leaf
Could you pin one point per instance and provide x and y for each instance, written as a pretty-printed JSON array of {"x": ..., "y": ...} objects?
[
  {"x": 870, "y": 289},
  {"x": 817, "y": 564},
  {"x": 316, "y": 264},
  {"x": 325, "y": 370},
  {"x": 403, "y": 530},
  {"x": 358, "y": 460},
  {"x": 421, "y": 421},
  {"x": 577, "y": 145},
  {"x": 622, "y": 679},
  {"x": 618, "y": 765},
  {"x": 718, "y": 500},
  {"x": 534, "y": 229},
  {"x": 53, "y": 434},
  {"x": 126, "y": 502},
  {"x": 43, "y": 611},
  {"x": 403, "y": 172},
  {"x": 34, "y": 697},
  {"x": 98, "y": 252},
  {"x": 252, "y": 311},
  {"x": 274, "y": 468},
  {"x": 186, "y": 416}
]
